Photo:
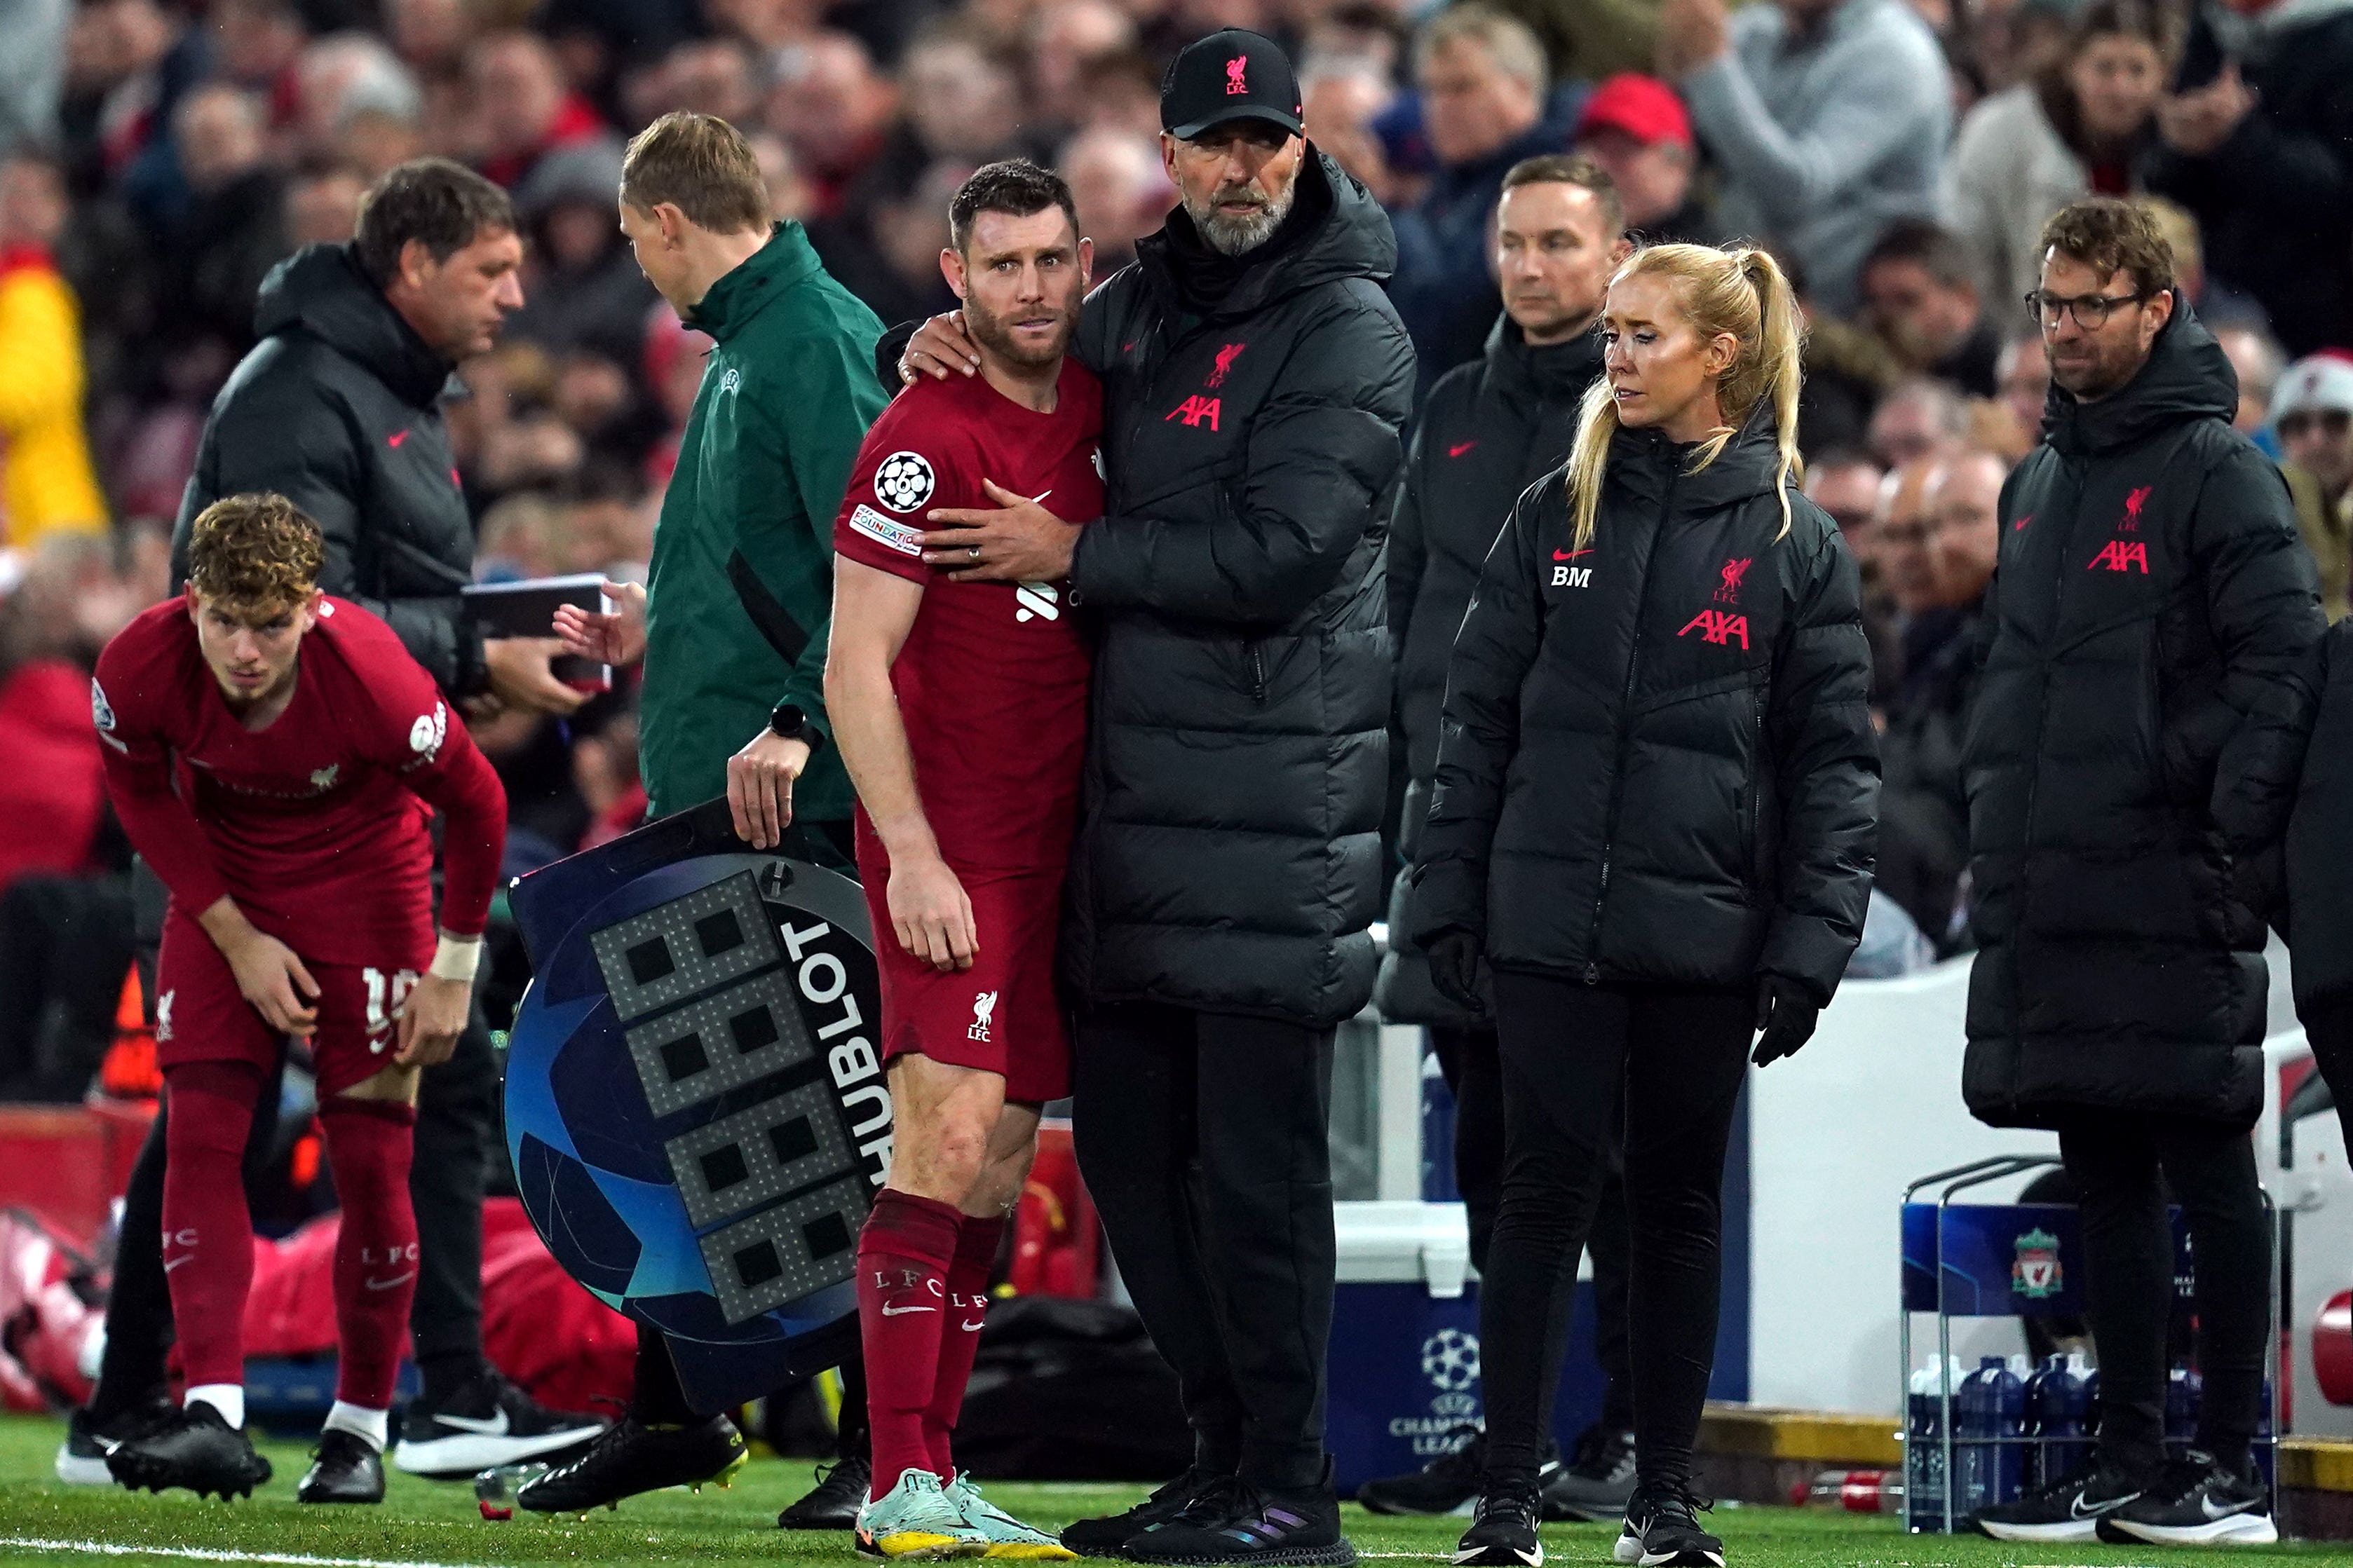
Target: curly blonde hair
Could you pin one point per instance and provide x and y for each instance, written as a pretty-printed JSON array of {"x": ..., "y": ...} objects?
[{"x": 255, "y": 555}]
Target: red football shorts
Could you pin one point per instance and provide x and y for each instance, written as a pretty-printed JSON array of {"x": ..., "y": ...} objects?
[
  {"x": 1001, "y": 1014},
  {"x": 201, "y": 1016}
]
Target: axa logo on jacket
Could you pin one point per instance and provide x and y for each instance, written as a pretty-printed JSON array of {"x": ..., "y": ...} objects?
[
  {"x": 1718, "y": 626},
  {"x": 1193, "y": 410}
]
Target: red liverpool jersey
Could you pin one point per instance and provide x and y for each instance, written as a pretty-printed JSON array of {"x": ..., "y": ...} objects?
[
  {"x": 316, "y": 825},
  {"x": 992, "y": 680}
]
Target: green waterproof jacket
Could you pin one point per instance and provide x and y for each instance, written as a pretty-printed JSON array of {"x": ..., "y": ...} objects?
[{"x": 786, "y": 399}]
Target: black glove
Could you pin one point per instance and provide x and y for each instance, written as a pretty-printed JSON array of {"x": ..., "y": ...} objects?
[
  {"x": 1785, "y": 1015},
  {"x": 1455, "y": 968}
]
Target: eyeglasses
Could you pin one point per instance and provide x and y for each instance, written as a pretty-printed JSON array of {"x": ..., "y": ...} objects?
[{"x": 2091, "y": 311}]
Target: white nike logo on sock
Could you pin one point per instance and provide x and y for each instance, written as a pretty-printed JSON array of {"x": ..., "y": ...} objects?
[
  {"x": 902, "y": 1311},
  {"x": 972, "y": 1327},
  {"x": 177, "y": 1262},
  {"x": 388, "y": 1284}
]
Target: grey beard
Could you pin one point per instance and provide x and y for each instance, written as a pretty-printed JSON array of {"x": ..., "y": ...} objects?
[{"x": 1240, "y": 235}]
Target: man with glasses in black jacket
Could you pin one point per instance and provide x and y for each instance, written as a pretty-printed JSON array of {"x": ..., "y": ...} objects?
[{"x": 2139, "y": 724}]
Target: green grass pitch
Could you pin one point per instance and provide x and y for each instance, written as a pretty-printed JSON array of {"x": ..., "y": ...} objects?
[{"x": 422, "y": 1525}]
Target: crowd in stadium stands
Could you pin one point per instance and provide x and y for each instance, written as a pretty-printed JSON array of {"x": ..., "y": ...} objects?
[{"x": 158, "y": 157}]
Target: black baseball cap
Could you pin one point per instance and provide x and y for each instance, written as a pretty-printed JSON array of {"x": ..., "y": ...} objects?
[{"x": 1233, "y": 75}]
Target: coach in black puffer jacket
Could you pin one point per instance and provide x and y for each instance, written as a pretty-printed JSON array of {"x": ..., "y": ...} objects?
[
  {"x": 1229, "y": 855},
  {"x": 1659, "y": 765},
  {"x": 2137, "y": 732},
  {"x": 1489, "y": 431},
  {"x": 339, "y": 409}
]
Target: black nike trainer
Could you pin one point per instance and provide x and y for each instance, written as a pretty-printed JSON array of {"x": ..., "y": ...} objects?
[
  {"x": 2199, "y": 1503},
  {"x": 2067, "y": 1510},
  {"x": 485, "y": 1425},
  {"x": 1504, "y": 1532}
]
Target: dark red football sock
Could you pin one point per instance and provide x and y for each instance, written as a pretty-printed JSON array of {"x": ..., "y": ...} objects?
[
  {"x": 905, "y": 1254},
  {"x": 208, "y": 1231},
  {"x": 975, "y": 1254},
  {"x": 376, "y": 1251}
]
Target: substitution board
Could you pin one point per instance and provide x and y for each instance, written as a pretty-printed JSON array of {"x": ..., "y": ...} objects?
[{"x": 695, "y": 1105}]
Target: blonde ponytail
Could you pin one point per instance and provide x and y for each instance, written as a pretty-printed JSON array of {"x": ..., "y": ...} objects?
[
  {"x": 1741, "y": 292},
  {"x": 1782, "y": 344},
  {"x": 1597, "y": 426}
]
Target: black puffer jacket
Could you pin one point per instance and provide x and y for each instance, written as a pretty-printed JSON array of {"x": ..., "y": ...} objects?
[
  {"x": 1489, "y": 429},
  {"x": 1657, "y": 762},
  {"x": 2139, "y": 728},
  {"x": 1229, "y": 851},
  {"x": 338, "y": 408},
  {"x": 2319, "y": 872}
]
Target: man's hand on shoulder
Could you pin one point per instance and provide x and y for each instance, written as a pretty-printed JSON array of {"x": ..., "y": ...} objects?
[
  {"x": 617, "y": 637},
  {"x": 938, "y": 347},
  {"x": 1015, "y": 540},
  {"x": 522, "y": 674},
  {"x": 760, "y": 787}
]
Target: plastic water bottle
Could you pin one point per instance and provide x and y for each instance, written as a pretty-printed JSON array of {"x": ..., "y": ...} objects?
[
  {"x": 494, "y": 1489},
  {"x": 1991, "y": 1407},
  {"x": 1857, "y": 1491},
  {"x": 2184, "y": 1392},
  {"x": 2057, "y": 1418},
  {"x": 1923, "y": 1483}
]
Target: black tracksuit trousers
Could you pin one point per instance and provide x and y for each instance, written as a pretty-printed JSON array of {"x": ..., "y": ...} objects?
[
  {"x": 1473, "y": 1070},
  {"x": 1204, "y": 1139},
  {"x": 2115, "y": 1158},
  {"x": 1572, "y": 1053}
]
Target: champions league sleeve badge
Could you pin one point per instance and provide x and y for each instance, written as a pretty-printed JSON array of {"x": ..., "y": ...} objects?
[{"x": 695, "y": 1105}]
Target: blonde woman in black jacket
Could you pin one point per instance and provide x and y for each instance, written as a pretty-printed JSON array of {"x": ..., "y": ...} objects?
[{"x": 1654, "y": 820}]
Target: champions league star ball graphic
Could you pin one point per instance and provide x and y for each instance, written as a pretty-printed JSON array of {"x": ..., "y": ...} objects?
[
  {"x": 695, "y": 1104},
  {"x": 1449, "y": 1358},
  {"x": 903, "y": 481}
]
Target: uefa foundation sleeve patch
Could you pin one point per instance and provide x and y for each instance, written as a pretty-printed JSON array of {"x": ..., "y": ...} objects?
[{"x": 888, "y": 531}]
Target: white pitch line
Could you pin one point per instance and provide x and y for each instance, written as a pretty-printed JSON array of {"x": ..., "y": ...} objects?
[{"x": 294, "y": 1559}]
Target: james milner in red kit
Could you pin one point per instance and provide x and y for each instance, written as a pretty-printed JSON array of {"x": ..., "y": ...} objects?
[{"x": 960, "y": 709}]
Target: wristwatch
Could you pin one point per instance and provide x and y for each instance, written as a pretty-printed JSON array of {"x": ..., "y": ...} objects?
[{"x": 787, "y": 721}]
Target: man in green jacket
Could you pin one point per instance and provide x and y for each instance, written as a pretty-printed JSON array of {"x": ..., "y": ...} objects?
[
  {"x": 733, "y": 628},
  {"x": 732, "y": 623}
]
